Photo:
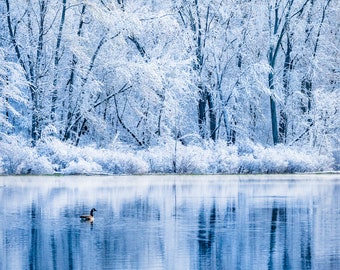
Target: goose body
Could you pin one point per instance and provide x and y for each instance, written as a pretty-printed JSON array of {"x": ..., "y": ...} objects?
[{"x": 88, "y": 217}]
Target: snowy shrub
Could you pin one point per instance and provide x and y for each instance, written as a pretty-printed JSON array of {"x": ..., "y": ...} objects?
[
  {"x": 283, "y": 159},
  {"x": 40, "y": 165},
  {"x": 222, "y": 158},
  {"x": 192, "y": 159},
  {"x": 59, "y": 153},
  {"x": 52, "y": 155},
  {"x": 76, "y": 160},
  {"x": 306, "y": 161},
  {"x": 1, "y": 166},
  {"x": 159, "y": 158},
  {"x": 226, "y": 159},
  {"x": 249, "y": 164},
  {"x": 336, "y": 156},
  {"x": 81, "y": 166},
  {"x": 246, "y": 147},
  {"x": 19, "y": 158},
  {"x": 116, "y": 162},
  {"x": 272, "y": 160},
  {"x": 173, "y": 156}
]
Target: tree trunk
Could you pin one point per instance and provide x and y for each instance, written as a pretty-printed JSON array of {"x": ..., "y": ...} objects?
[
  {"x": 275, "y": 133},
  {"x": 56, "y": 62},
  {"x": 212, "y": 116},
  {"x": 31, "y": 69},
  {"x": 273, "y": 114},
  {"x": 71, "y": 110},
  {"x": 201, "y": 113},
  {"x": 287, "y": 67},
  {"x": 272, "y": 56}
]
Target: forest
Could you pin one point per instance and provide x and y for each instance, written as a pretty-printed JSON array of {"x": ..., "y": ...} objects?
[{"x": 175, "y": 86}]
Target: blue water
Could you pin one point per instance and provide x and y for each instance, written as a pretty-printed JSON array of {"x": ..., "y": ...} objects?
[{"x": 170, "y": 222}]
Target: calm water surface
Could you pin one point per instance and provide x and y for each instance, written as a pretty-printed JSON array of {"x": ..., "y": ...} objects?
[{"x": 170, "y": 222}]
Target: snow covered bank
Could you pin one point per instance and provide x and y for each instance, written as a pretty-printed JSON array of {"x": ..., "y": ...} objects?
[{"x": 53, "y": 156}]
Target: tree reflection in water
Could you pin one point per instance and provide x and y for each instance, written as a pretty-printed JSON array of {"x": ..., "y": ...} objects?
[
  {"x": 162, "y": 223},
  {"x": 206, "y": 233}
]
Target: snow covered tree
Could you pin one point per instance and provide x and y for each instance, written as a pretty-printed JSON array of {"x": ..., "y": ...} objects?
[
  {"x": 198, "y": 17},
  {"x": 12, "y": 96},
  {"x": 144, "y": 71}
]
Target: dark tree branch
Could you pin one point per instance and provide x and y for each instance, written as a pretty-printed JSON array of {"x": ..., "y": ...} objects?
[{"x": 124, "y": 126}]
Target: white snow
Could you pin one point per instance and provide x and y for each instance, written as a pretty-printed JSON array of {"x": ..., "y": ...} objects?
[{"x": 54, "y": 156}]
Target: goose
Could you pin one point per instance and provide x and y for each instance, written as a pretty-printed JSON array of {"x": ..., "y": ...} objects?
[{"x": 88, "y": 217}]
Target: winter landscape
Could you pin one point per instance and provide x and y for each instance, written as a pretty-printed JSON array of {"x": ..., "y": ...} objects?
[
  {"x": 204, "y": 132},
  {"x": 177, "y": 86}
]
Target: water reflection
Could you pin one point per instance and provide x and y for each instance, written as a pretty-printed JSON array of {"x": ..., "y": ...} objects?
[{"x": 168, "y": 222}]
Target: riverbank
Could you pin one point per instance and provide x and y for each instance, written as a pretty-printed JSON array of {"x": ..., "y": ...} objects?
[{"x": 57, "y": 157}]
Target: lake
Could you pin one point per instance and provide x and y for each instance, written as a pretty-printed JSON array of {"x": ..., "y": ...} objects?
[{"x": 170, "y": 222}]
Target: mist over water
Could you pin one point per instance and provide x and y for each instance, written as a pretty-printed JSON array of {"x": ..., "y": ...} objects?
[{"x": 170, "y": 222}]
